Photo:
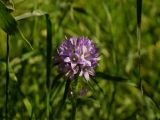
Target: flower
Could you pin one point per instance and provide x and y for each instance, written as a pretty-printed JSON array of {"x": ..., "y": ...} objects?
[{"x": 77, "y": 56}]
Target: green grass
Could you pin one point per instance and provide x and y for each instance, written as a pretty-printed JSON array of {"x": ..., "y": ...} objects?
[{"x": 37, "y": 91}]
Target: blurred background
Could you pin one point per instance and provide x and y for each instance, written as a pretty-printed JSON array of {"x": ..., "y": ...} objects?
[{"x": 111, "y": 24}]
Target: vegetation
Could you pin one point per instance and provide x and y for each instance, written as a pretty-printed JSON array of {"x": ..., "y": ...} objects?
[{"x": 126, "y": 85}]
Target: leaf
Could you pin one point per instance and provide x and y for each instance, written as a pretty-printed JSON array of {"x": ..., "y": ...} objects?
[
  {"x": 97, "y": 85},
  {"x": 12, "y": 74},
  {"x": 28, "y": 106},
  {"x": 55, "y": 83},
  {"x": 19, "y": 35},
  {"x": 86, "y": 100},
  {"x": 11, "y": 71},
  {"x": 56, "y": 90},
  {"x": 7, "y": 21},
  {"x": 149, "y": 91},
  {"x": 9, "y": 4},
  {"x": 80, "y": 10},
  {"x": 68, "y": 82},
  {"x": 139, "y": 12},
  {"x": 30, "y": 14},
  {"x": 49, "y": 49},
  {"x": 109, "y": 17},
  {"x": 110, "y": 77},
  {"x": 9, "y": 24}
]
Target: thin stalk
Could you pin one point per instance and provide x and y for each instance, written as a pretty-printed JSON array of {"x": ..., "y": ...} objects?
[
  {"x": 7, "y": 77},
  {"x": 139, "y": 11},
  {"x": 49, "y": 50},
  {"x": 74, "y": 98},
  {"x": 48, "y": 104},
  {"x": 74, "y": 103},
  {"x": 61, "y": 106},
  {"x": 115, "y": 64},
  {"x": 139, "y": 57},
  {"x": 48, "y": 62}
]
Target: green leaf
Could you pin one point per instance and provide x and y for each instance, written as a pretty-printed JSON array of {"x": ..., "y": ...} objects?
[
  {"x": 25, "y": 16},
  {"x": 49, "y": 49},
  {"x": 28, "y": 106},
  {"x": 19, "y": 35},
  {"x": 9, "y": 24},
  {"x": 9, "y": 4},
  {"x": 139, "y": 12},
  {"x": 95, "y": 81},
  {"x": 11, "y": 71},
  {"x": 80, "y": 10},
  {"x": 86, "y": 100},
  {"x": 12, "y": 74},
  {"x": 7, "y": 21},
  {"x": 30, "y": 14},
  {"x": 151, "y": 93},
  {"x": 55, "y": 81},
  {"x": 110, "y": 77},
  {"x": 67, "y": 86}
]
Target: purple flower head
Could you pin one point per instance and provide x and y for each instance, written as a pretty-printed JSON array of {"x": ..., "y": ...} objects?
[{"x": 77, "y": 56}]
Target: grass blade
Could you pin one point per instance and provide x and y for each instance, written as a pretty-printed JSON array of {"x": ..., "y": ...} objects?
[
  {"x": 110, "y": 77},
  {"x": 7, "y": 76},
  {"x": 139, "y": 12},
  {"x": 30, "y": 14},
  {"x": 68, "y": 82},
  {"x": 9, "y": 24},
  {"x": 7, "y": 21},
  {"x": 48, "y": 61},
  {"x": 49, "y": 49},
  {"x": 97, "y": 85},
  {"x": 54, "y": 83}
]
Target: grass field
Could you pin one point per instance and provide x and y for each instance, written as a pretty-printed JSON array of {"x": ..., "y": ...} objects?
[{"x": 126, "y": 85}]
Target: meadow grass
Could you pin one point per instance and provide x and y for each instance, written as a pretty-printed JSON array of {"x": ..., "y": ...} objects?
[{"x": 126, "y": 85}]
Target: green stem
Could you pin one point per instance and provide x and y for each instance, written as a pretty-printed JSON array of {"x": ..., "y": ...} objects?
[
  {"x": 48, "y": 62},
  {"x": 61, "y": 106},
  {"x": 139, "y": 58},
  {"x": 49, "y": 50},
  {"x": 48, "y": 104},
  {"x": 139, "y": 11},
  {"x": 7, "y": 76},
  {"x": 74, "y": 98},
  {"x": 74, "y": 103}
]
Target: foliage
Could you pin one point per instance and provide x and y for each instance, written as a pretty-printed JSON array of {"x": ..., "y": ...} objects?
[{"x": 114, "y": 93}]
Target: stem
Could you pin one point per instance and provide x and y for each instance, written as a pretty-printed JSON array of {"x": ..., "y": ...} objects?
[
  {"x": 74, "y": 103},
  {"x": 7, "y": 76},
  {"x": 48, "y": 104},
  {"x": 74, "y": 98},
  {"x": 48, "y": 62},
  {"x": 61, "y": 106},
  {"x": 139, "y": 57},
  {"x": 49, "y": 50},
  {"x": 139, "y": 11}
]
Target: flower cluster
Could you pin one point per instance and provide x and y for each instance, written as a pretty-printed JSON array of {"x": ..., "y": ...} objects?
[{"x": 77, "y": 56}]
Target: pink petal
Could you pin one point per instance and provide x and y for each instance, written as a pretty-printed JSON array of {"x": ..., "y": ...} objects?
[
  {"x": 81, "y": 73},
  {"x": 84, "y": 49},
  {"x": 73, "y": 65},
  {"x": 67, "y": 59},
  {"x": 88, "y": 62},
  {"x": 86, "y": 76}
]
